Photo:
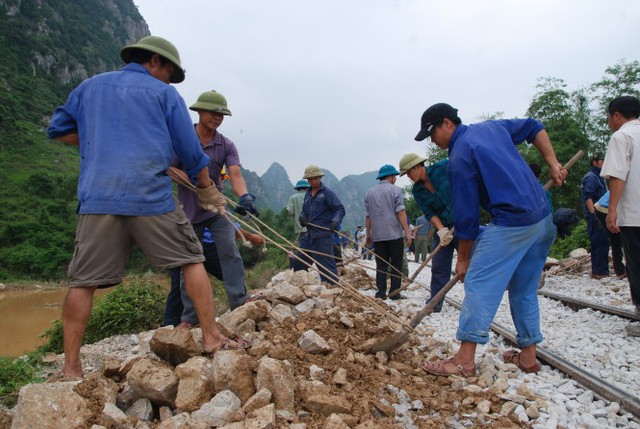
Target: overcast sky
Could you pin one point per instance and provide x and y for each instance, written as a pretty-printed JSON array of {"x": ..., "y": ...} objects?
[{"x": 343, "y": 84}]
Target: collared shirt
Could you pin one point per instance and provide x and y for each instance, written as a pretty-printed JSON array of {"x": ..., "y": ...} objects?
[
  {"x": 221, "y": 152},
  {"x": 423, "y": 225},
  {"x": 593, "y": 187},
  {"x": 322, "y": 209},
  {"x": 381, "y": 204},
  {"x": 436, "y": 203},
  {"x": 294, "y": 208},
  {"x": 130, "y": 124},
  {"x": 623, "y": 162},
  {"x": 486, "y": 170}
]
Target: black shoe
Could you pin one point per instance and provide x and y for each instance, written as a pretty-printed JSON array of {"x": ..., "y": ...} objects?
[
  {"x": 381, "y": 296},
  {"x": 397, "y": 297}
]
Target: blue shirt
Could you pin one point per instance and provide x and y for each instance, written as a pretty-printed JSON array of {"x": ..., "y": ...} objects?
[
  {"x": 322, "y": 209},
  {"x": 130, "y": 125},
  {"x": 486, "y": 170},
  {"x": 593, "y": 188},
  {"x": 436, "y": 203},
  {"x": 423, "y": 224}
]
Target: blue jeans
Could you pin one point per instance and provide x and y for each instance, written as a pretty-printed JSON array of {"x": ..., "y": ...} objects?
[
  {"x": 506, "y": 258},
  {"x": 324, "y": 260},
  {"x": 599, "y": 246},
  {"x": 441, "y": 266}
]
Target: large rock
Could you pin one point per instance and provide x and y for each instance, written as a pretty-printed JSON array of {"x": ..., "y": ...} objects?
[
  {"x": 154, "y": 380},
  {"x": 262, "y": 418},
  {"x": 51, "y": 406},
  {"x": 196, "y": 383},
  {"x": 233, "y": 370},
  {"x": 277, "y": 376},
  {"x": 314, "y": 343},
  {"x": 256, "y": 311},
  {"x": 175, "y": 346},
  {"x": 222, "y": 409},
  {"x": 327, "y": 405},
  {"x": 287, "y": 293}
]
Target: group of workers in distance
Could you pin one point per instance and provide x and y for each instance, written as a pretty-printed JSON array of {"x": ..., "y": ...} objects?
[{"x": 132, "y": 126}]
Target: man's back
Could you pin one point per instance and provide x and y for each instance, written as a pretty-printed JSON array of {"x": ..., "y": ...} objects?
[
  {"x": 382, "y": 202},
  {"x": 124, "y": 117}
]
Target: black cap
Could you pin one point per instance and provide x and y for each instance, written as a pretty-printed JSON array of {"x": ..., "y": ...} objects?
[
  {"x": 597, "y": 157},
  {"x": 432, "y": 117}
]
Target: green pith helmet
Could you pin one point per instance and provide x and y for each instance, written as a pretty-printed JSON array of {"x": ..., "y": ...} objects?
[
  {"x": 409, "y": 161},
  {"x": 159, "y": 46},
  {"x": 301, "y": 184},
  {"x": 211, "y": 101},
  {"x": 312, "y": 171}
]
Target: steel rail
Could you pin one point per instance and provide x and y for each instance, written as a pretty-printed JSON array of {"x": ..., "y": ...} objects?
[
  {"x": 576, "y": 304},
  {"x": 600, "y": 387}
]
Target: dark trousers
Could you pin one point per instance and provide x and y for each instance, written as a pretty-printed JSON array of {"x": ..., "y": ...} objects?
[
  {"x": 599, "y": 247},
  {"x": 324, "y": 258},
  {"x": 388, "y": 252},
  {"x": 616, "y": 245},
  {"x": 441, "y": 266},
  {"x": 631, "y": 245},
  {"x": 174, "y": 306}
]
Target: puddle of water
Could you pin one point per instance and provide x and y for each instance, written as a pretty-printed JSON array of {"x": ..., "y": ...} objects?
[{"x": 25, "y": 315}]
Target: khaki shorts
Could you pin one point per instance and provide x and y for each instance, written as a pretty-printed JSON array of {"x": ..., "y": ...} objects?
[{"x": 103, "y": 243}]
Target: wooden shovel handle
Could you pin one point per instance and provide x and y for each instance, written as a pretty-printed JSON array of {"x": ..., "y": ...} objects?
[
  {"x": 567, "y": 166},
  {"x": 431, "y": 305}
]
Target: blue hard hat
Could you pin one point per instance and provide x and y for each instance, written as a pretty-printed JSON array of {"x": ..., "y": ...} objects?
[
  {"x": 387, "y": 170},
  {"x": 302, "y": 184}
]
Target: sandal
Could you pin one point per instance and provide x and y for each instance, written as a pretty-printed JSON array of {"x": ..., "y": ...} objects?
[
  {"x": 255, "y": 297},
  {"x": 513, "y": 356},
  {"x": 232, "y": 342},
  {"x": 446, "y": 367},
  {"x": 186, "y": 325}
]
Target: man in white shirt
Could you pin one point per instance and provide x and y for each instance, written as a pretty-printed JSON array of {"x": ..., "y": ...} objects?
[{"x": 622, "y": 168}]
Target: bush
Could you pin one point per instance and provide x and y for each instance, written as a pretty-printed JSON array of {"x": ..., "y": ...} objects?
[
  {"x": 15, "y": 373},
  {"x": 578, "y": 238},
  {"x": 131, "y": 308}
]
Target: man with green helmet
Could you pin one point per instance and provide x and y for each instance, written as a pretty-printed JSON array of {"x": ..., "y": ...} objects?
[
  {"x": 433, "y": 196},
  {"x": 322, "y": 213},
  {"x": 129, "y": 124},
  {"x": 211, "y": 107},
  {"x": 386, "y": 223}
]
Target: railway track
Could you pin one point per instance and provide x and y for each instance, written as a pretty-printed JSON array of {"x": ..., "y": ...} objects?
[
  {"x": 599, "y": 386},
  {"x": 577, "y": 304}
]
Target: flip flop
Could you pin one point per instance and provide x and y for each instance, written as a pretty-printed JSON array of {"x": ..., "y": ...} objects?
[
  {"x": 513, "y": 356},
  {"x": 228, "y": 344},
  {"x": 255, "y": 297},
  {"x": 446, "y": 367}
]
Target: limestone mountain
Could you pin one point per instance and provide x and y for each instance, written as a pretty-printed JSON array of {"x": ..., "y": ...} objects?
[{"x": 276, "y": 180}]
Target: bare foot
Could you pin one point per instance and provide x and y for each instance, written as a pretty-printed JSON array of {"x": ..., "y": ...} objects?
[{"x": 72, "y": 371}]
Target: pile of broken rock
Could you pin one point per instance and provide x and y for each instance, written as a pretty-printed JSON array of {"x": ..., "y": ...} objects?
[{"x": 308, "y": 367}]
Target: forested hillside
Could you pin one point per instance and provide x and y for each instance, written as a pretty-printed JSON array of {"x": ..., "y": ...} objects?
[{"x": 47, "y": 48}]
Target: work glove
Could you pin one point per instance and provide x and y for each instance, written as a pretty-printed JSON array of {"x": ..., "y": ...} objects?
[
  {"x": 303, "y": 221},
  {"x": 211, "y": 199},
  {"x": 445, "y": 236},
  {"x": 334, "y": 226},
  {"x": 246, "y": 207}
]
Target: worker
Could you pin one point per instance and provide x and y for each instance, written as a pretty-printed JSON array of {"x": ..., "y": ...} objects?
[{"x": 322, "y": 213}]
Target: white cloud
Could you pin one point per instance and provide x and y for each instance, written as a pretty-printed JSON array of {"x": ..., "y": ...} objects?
[{"x": 342, "y": 84}]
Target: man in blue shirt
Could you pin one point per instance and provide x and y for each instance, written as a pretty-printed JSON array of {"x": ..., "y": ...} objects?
[
  {"x": 322, "y": 213},
  {"x": 433, "y": 196},
  {"x": 486, "y": 170},
  {"x": 129, "y": 124},
  {"x": 593, "y": 188}
]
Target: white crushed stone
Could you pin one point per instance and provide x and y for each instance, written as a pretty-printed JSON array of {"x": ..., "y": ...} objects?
[{"x": 591, "y": 340}]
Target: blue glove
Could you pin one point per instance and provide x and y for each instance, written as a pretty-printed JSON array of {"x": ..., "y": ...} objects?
[
  {"x": 303, "y": 221},
  {"x": 246, "y": 207}
]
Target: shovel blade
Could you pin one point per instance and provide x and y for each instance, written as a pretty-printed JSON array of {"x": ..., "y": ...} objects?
[{"x": 391, "y": 343}]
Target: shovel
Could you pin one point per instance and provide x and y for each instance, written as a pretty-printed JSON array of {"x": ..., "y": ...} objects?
[{"x": 396, "y": 340}]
